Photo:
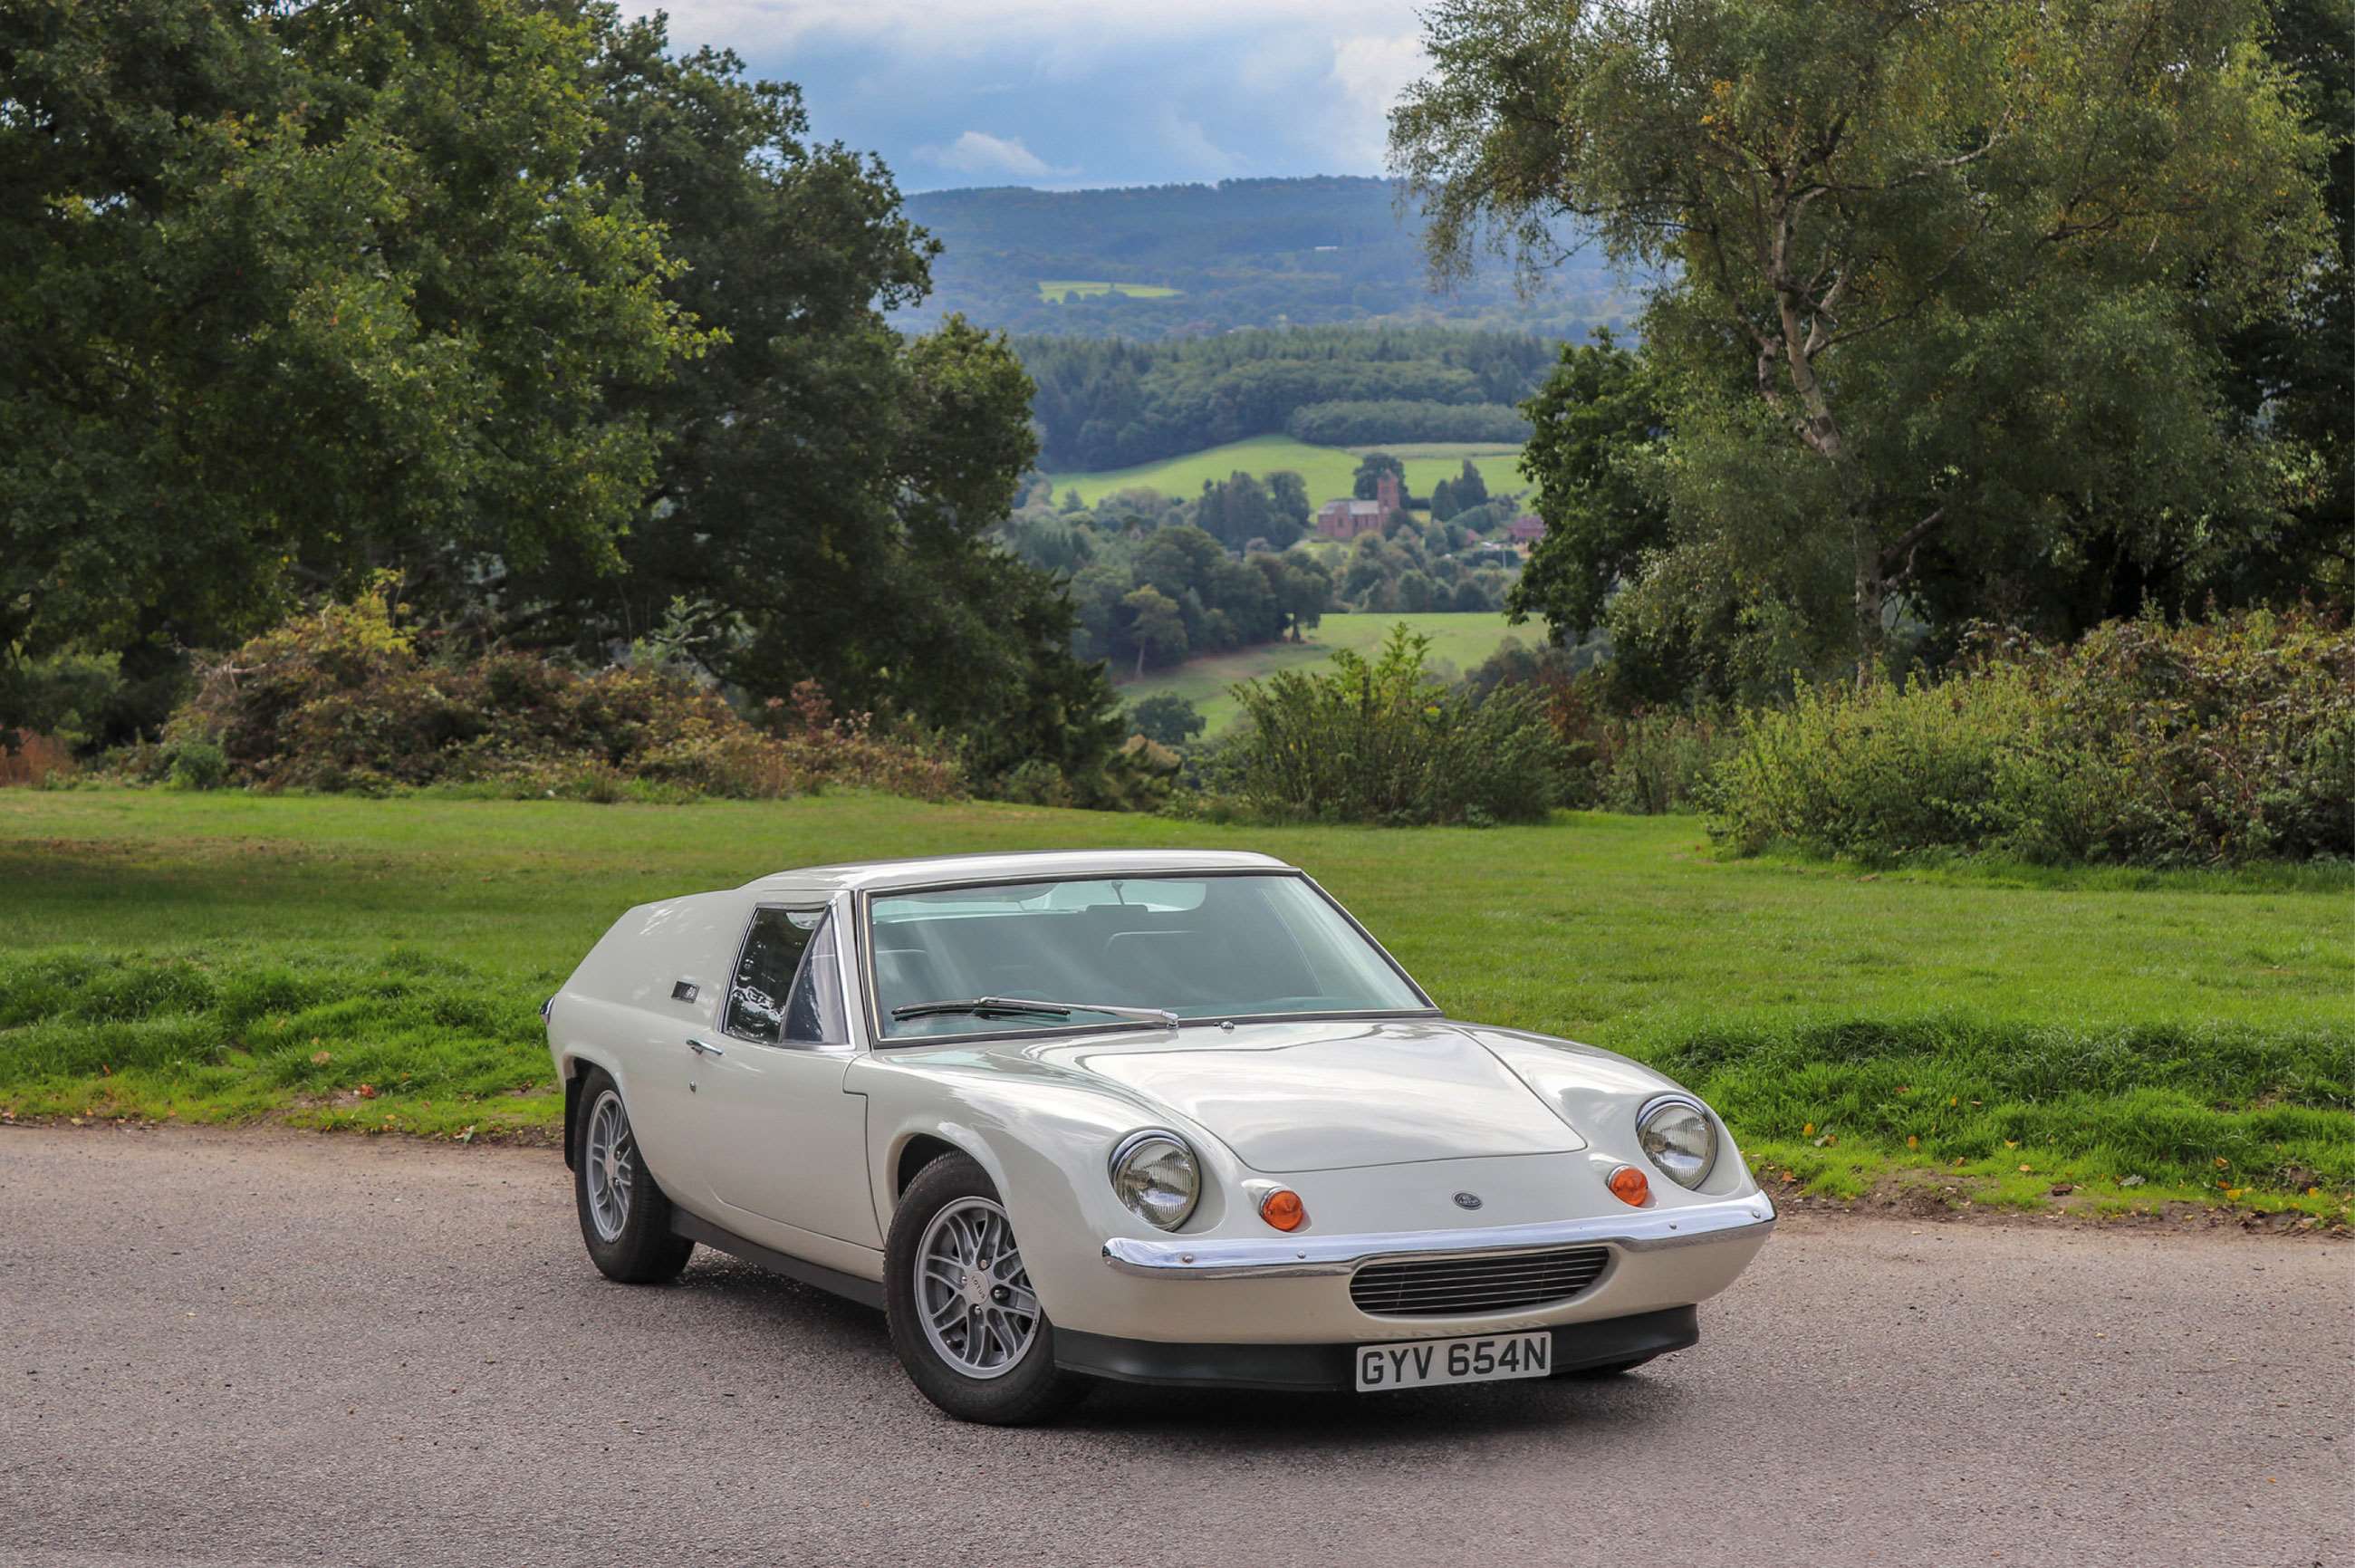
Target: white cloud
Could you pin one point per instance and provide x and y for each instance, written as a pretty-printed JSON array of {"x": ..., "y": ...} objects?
[
  {"x": 1368, "y": 73},
  {"x": 1077, "y": 26},
  {"x": 1190, "y": 144},
  {"x": 1129, "y": 91},
  {"x": 979, "y": 153}
]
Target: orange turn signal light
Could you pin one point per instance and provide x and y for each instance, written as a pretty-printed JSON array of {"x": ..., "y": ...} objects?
[
  {"x": 1282, "y": 1210},
  {"x": 1629, "y": 1186}
]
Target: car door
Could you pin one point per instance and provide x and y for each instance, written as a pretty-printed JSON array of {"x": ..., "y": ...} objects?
[{"x": 787, "y": 1145}]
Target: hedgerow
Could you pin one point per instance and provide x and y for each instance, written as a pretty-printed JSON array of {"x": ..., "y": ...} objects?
[
  {"x": 2225, "y": 740},
  {"x": 345, "y": 700}
]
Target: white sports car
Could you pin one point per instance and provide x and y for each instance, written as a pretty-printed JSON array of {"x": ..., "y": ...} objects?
[{"x": 1167, "y": 1117}]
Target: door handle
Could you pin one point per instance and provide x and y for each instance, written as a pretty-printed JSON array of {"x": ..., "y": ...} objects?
[{"x": 703, "y": 1047}]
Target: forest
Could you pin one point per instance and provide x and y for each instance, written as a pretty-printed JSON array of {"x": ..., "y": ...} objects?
[
  {"x": 1244, "y": 252},
  {"x": 1101, "y": 404}
]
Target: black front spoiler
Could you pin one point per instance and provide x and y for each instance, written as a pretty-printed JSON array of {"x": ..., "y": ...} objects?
[{"x": 1303, "y": 1368}]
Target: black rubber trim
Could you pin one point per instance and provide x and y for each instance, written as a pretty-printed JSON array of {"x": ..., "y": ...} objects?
[
  {"x": 571, "y": 1112},
  {"x": 1576, "y": 1346},
  {"x": 865, "y": 1292}
]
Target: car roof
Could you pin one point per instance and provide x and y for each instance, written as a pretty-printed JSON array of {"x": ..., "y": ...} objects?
[{"x": 932, "y": 871}]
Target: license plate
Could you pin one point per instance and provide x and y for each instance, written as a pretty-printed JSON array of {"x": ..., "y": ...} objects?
[{"x": 1427, "y": 1364}]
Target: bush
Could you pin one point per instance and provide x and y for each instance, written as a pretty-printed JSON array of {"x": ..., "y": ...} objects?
[
  {"x": 195, "y": 765},
  {"x": 344, "y": 701},
  {"x": 1385, "y": 742},
  {"x": 2228, "y": 740},
  {"x": 1650, "y": 761}
]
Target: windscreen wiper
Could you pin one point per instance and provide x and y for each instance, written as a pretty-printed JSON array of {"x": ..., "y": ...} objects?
[{"x": 985, "y": 1006}]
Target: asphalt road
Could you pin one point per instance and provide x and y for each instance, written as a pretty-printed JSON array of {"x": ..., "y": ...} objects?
[{"x": 261, "y": 1350}]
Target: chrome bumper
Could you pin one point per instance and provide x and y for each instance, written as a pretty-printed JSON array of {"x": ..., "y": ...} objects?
[{"x": 1297, "y": 1257}]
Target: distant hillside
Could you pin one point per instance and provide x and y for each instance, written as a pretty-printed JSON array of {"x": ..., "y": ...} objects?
[
  {"x": 1108, "y": 405},
  {"x": 1265, "y": 252}
]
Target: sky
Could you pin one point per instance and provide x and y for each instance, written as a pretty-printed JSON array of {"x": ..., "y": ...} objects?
[{"x": 1063, "y": 93}]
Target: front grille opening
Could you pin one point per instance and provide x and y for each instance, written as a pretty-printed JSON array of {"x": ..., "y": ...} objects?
[{"x": 1461, "y": 1287}]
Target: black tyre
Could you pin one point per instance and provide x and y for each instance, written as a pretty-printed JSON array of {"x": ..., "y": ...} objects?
[
  {"x": 624, "y": 1217},
  {"x": 965, "y": 1321}
]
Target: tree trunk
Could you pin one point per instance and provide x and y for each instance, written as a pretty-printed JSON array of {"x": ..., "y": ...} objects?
[
  {"x": 1871, "y": 594},
  {"x": 1140, "y": 661},
  {"x": 1820, "y": 427}
]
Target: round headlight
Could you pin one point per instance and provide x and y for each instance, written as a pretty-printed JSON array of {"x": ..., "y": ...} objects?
[
  {"x": 1678, "y": 1137},
  {"x": 1155, "y": 1175}
]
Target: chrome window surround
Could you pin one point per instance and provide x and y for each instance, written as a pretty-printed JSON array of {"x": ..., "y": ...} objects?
[
  {"x": 1298, "y": 1257},
  {"x": 863, "y": 901},
  {"x": 844, "y": 974}
]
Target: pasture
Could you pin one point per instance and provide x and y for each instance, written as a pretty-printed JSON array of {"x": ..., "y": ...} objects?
[
  {"x": 1052, "y": 290},
  {"x": 377, "y": 964},
  {"x": 1462, "y": 640},
  {"x": 1329, "y": 470}
]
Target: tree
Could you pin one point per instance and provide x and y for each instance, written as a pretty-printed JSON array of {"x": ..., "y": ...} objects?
[
  {"x": 1155, "y": 628},
  {"x": 1471, "y": 487},
  {"x": 1302, "y": 590},
  {"x": 1944, "y": 283},
  {"x": 834, "y": 487},
  {"x": 1367, "y": 480},
  {"x": 1288, "y": 494},
  {"x": 1235, "y": 511},
  {"x": 2291, "y": 374},
  {"x": 1165, "y": 719},
  {"x": 1597, "y": 415},
  {"x": 288, "y": 294}
]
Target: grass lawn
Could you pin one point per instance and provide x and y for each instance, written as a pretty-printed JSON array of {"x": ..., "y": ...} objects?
[
  {"x": 1329, "y": 470},
  {"x": 1056, "y": 288},
  {"x": 217, "y": 956},
  {"x": 1463, "y": 640}
]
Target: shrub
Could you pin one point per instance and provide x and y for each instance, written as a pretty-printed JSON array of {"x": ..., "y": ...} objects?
[
  {"x": 1382, "y": 741},
  {"x": 2229, "y": 740},
  {"x": 196, "y": 764},
  {"x": 1649, "y": 761},
  {"x": 344, "y": 699}
]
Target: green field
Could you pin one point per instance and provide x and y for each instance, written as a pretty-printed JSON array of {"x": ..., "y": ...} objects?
[
  {"x": 1329, "y": 470},
  {"x": 1462, "y": 640},
  {"x": 232, "y": 956},
  {"x": 1054, "y": 289}
]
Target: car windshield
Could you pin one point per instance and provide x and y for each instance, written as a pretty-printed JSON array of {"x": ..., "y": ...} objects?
[{"x": 1199, "y": 947}]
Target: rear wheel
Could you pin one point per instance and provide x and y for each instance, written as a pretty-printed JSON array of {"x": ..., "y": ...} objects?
[
  {"x": 964, "y": 1320},
  {"x": 624, "y": 1217}
]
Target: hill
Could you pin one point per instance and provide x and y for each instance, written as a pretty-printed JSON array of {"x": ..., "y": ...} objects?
[
  {"x": 1327, "y": 470},
  {"x": 1105, "y": 404},
  {"x": 1211, "y": 257}
]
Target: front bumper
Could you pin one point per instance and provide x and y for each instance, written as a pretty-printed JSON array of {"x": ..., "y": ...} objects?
[
  {"x": 1302, "y": 1257},
  {"x": 1321, "y": 1368},
  {"x": 1273, "y": 1289}
]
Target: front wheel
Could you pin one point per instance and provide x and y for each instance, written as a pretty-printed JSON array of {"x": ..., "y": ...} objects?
[
  {"x": 624, "y": 1217},
  {"x": 964, "y": 1318}
]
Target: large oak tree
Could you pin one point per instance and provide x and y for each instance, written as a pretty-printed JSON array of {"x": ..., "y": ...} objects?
[{"x": 1943, "y": 285}]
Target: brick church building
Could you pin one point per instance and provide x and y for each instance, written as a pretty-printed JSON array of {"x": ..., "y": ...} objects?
[{"x": 1347, "y": 519}]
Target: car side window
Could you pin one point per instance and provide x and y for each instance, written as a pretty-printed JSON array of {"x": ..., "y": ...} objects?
[
  {"x": 813, "y": 1013},
  {"x": 757, "y": 994}
]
